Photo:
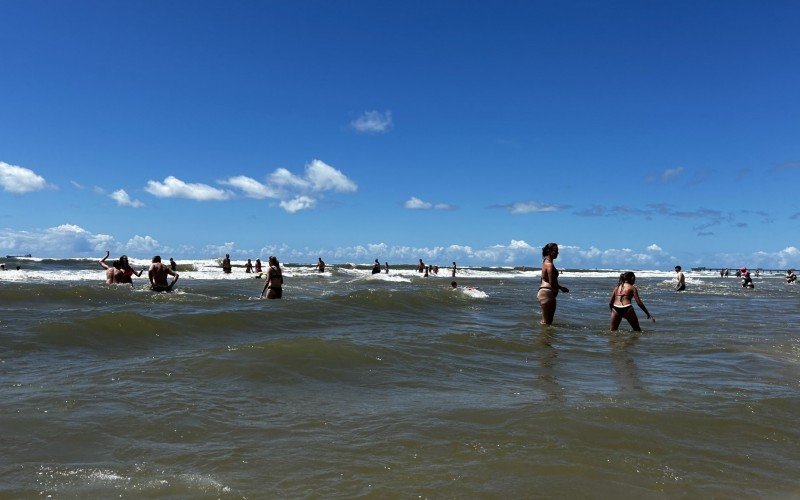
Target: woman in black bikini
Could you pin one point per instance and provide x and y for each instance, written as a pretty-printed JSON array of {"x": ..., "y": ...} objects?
[
  {"x": 273, "y": 286},
  {"x": 621, "y": 305},
  {"x": 548, "y": 286}
]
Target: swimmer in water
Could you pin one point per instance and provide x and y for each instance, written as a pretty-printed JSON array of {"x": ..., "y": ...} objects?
[
  {"x": 621, "y": 306},
  {"x": 273, "y": 288}
]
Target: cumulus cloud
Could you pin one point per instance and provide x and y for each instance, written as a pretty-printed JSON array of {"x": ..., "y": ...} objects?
[
  {"x": 124, "y": 200},
  {"x": 415, "y": 203},
  {"x": 786, "y": 258},
  {"x": 373, "y": 122},
  {"x": 323, "y": 177},
  {"x": 251, "y": 187},
  {"x": 70, "y": 240},
  {"x": 173, "y": 187},
  {"x": 20, "y": 180},
  {"x": 298, "y": 203},
  {"x": 526, "y": 207},
  {"x": 296, "y": 192}
]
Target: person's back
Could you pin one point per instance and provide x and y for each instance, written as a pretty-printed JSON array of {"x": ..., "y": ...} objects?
[
  {"x": 172, "y": 264},
  {"x": 157, "y": 274},
  {"x": 226, "y": 264},
  {"x": 376, "y": 268}
]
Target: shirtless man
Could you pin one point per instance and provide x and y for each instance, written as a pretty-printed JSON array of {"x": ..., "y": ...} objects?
[
  {"x": 454, "y": 269},
  {"x": 681, "y": 286},
  {"x": 376, "y": 268},
  {"x": 158, "y": 276},
  {"x": 790, "y": 276},
  {"x": 421, "y": 266},
  {"x": 320, "y": 265},
  {"x": 114, "y": 272},
  {"x": 226, "y": 264}
]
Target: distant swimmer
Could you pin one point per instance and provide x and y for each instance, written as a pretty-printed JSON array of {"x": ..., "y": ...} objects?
[
  {"x": 158, "y": 276},
  {"x": 454, "y": 285},
  {"x": 226, "y": 264},
  {"x": 548, "y": 286},
  {"x": 320, "y": 265},
  {"x": 172, "y": 264},
  {"x": 387, "y": 267},
  {"x": 248, "y": 267},
  {"x": 258, "y": 266},
  {"x": 721, "y": 273},
  {"x": 273, "y": 288},
  {"x": 115, "y": 273},
  {"x": 790, "y": 276},
  {"x": 426, "y": 271},
  {"x": 621, "y": 305},
  {"x": 747, "y": 281},
  {"x": 376, "y": 268},
  {"x": 421, "y": 266},
  {"x": 454, "y": 269},
  {"x": 727, "y": 272},
  {"x": 436, "y": 270},
  {"x": 681, "y": 286}
]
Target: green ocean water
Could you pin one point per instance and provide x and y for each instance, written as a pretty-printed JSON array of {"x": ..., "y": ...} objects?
[{"x": 352, "y": 386}]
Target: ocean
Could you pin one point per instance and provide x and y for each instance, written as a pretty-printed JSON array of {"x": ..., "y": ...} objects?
[{"x": 394, "y": 385}]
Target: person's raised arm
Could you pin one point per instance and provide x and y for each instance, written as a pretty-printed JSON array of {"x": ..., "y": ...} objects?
[
  {"x": 641, "y": 304},
  {"x": 103, "y": 260}
]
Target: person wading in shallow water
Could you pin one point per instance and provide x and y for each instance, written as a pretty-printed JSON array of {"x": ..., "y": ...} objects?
[
  {"x": 621, "y": 306},
  {"x": 548, "y": 286},
  {"x": 158, "y": 276},
  {"x": 273, "y": 288}
]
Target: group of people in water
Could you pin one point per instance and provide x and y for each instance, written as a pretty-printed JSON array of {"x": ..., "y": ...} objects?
[{"x": 620, "y": 302}]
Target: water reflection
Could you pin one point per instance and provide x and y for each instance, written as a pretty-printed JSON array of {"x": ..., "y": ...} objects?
[
  {"x": 548, "y": 355},
  {"x": 626, "y": 373}
]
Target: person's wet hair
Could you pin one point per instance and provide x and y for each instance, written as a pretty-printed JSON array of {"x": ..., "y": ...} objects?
[
  {"x": 548, "y": 249},
  {"x": 156, "y": 259},
  {"x": 628, "y": 277},
  {"x": 273, "y": 261},
  {"x": 453, "y": 284}
]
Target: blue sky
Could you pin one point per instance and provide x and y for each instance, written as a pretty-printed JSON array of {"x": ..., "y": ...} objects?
[{"x": 635, "y": 134}]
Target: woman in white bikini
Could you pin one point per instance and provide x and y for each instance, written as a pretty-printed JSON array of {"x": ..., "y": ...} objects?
[
  {"x": 548, "y": 286},
  {"x": 621, "y": 305}
]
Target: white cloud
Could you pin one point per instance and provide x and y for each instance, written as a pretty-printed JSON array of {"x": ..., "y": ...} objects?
[
  {"x": 144, "y": 244},
  {"x": 323, "y": 177},
  {"x": 373, "y": 122},
  {"x": 124, "y": 200},
  {"x": 173, "y": 187},
  {"x": 526, "y": 207},
  {"x": 415, "y": 203},
  {"x": 251, "y": 187},
  {"x": 283, "y": 178},
  {"x": 298, "y": 203},
  {"x": 76, "y": 185},
  {"x": 20, "y": 180}
]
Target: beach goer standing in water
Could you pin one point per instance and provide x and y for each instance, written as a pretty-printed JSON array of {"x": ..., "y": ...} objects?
[
  {"x": 273, "y": 288},
  {"x": 790, "y": 276},
  {"x": 158, "y": 276},
  {"x": 321, "y": 265},
  {"x": 387, "y": 268},
  {"x": 548, "y": 286},
  {"x": 621, "y": 305},
  {"x": 258, "y": 266},
  {"x": 681, "y": 286},
  {"x": 454, "y": 269},
  {"x": 172, "y": 264},
  {"x": 127, "y": 271},
  {"x": 226, "y": 264},
  {"x": 747, "y": 281},
  {"x": 376, "y": 268},
  {"x": 248, "y": 267},
  {"x": 113, "y": 272},
  {"x": 420, "y": 266}
]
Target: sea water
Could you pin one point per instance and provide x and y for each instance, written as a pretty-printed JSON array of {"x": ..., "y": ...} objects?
[{"x": 394, "y": 386}]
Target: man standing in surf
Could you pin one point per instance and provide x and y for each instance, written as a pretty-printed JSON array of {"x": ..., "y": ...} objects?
[{"x": 158, "y": 276}]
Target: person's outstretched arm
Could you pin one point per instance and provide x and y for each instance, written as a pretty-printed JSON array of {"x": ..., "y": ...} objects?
[{"x": 103, "y": 261}]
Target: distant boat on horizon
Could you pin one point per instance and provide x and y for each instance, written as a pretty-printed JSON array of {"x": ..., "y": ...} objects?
[{"x": 17, "y": 256}]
